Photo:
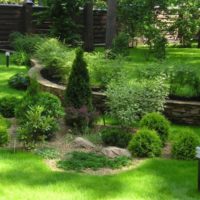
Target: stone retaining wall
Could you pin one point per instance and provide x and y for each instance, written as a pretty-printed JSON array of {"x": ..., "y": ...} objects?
[
  {"x": 58, "y": 90},
  {"x": 182, "y": 112}
]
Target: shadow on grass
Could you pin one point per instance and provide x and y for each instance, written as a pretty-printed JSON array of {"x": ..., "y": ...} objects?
[{"x": 155, "y": 179}]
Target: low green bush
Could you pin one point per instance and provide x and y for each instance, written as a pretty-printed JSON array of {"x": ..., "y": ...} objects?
[
  {"x": 36, "y": 127},
  {"x": 19, "y": 81},
  {"x": 184, "y": 146},
  {"x": 3, "y": 131},
  {"x": 25, "y": 43},
  {"x": 51, "y": 103},
  {"x": 55, "y": 58},
  {"x": 157, "y": 122},
  {"x": 121, "y": 44},
  {"x": 7, "y": 106},
  {"x": 145, "y": 143},
  {"x": 116, "y": 137},
  {"x": 47, "y": 153},
  {"x": 81, "y": 160},
  {"x": 3, "y": 136},
  {"x": 129, "y": 101},
  {"x": 20, "y": 58}
]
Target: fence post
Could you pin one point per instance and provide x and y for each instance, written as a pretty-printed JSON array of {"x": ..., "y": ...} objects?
[
  {"x": 88, "y": 26},
  {"x": 28, "y": 11}
]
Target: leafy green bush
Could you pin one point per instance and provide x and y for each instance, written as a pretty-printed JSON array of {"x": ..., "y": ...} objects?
[
  {"x": 116, "y": 137},
  {"x": 25, "y": 43},
  {"x": 55, "y": 58},
  {"x": 157, "y": 122},
  {"x": 36, "y": 127},
  {"x": 7, "y": 106},
  {"x": 184, "y": 82},
  {"x": 3, "y": 136},
  {"x": 3, "y": 131},
  {"x": 80, "y": 160},
  {"x": 78, "y": 93},
  {"x": 19, "y": 81},
  {"x": 52, "y": 105},
  {"x": 129, "y": 101},
  {"x": 159, "y": 47},
  {"x": 145, "y": 143},
  {"x": 184, "y": 147},
  {"x": 20, "y": 58},
  {"x": 121, "y": 44}
]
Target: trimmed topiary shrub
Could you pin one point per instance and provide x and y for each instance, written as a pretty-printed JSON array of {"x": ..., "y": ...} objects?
[
  {"x": 145, "y": 143},
  {"x": 19, "y": 81},
  {"x": 78, "y": 93},
  {"x": 116, "y": 137},
  {"x": 7, "y": 106},
  {"x": 157, "y": 122},
  {"x": 184, "y": 147}
]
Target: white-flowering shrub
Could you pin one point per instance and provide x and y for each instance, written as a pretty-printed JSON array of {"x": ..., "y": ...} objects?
[{"x": 129, "y": 101}]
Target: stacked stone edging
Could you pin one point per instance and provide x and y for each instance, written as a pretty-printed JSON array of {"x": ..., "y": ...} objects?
[
  {"x": 181, "y": 112},
  {"x": 59, "y": 90}
]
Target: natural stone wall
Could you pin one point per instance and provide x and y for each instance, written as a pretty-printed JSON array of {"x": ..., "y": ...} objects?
[
  {"x": 58, "y": 90},
  {"x": 182, "y": 112}
]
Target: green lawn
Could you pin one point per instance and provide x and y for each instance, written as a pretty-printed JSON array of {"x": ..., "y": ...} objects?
[
  {"x": 5, "y": 74},
  {"x": 25, "y": 176}
]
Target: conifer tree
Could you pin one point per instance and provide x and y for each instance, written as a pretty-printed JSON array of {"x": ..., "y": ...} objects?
[{"x": 78, "y": 92}]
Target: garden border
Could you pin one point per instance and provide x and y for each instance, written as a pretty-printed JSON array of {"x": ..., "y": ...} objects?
[{"x": 181, "y": 112}]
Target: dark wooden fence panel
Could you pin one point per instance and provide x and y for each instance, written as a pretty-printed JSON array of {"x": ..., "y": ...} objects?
[{"x": 13, "y": 18}]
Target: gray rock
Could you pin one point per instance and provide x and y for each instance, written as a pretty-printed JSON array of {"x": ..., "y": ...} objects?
[
  {"x": 112, "y": 152},
  {"x": 83, "y": 143}
]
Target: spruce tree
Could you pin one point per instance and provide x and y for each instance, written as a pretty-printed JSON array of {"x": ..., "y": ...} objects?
[{"x": 78, "y": 92}]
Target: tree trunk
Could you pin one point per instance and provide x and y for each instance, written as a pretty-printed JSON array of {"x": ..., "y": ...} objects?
[
  {"x": 111, "y": 26},
  {"x": 88, "y": 30}
]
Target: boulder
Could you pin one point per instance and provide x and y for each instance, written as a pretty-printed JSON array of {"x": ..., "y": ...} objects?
[
  {"x": 83, "y": 143},
  {"x": 112, "y": 152}
]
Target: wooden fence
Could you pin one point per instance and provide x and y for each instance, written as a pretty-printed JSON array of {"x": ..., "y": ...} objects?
[{"x": 22, "y": 18}]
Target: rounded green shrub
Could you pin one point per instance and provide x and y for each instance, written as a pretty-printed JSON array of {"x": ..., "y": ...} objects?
[
  {"x": 20, "y": 58},
  {"x": 157, "y": 122},
  {"x": 19, "y": 81},
  {"x": 184, "y": 146},
  {"x": 51, "y": 103},
  {"x": 145, "y": 143},
  {"x": 116, "y": 137},
  {"x": 7, "y": 106}
]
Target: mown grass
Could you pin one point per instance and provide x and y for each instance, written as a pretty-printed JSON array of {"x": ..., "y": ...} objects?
[
  {"x": 5, "y": 74},
  {"x": 25, "y": 176}
]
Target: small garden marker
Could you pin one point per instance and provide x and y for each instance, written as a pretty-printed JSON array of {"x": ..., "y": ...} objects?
[
  {"x": 198, "y": 157},
  {"x": 7, "y": 58}
]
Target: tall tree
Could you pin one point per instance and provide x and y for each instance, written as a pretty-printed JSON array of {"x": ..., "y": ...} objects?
[
  {"x": 111, "y": 26},
  {"x": 88, "y": 26}
]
